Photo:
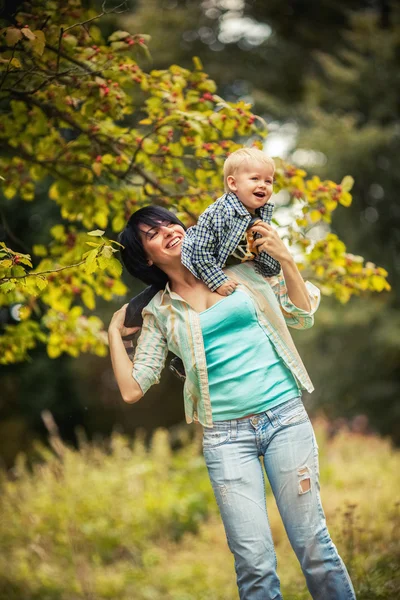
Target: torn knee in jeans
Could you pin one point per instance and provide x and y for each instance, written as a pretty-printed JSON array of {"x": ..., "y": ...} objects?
[{"x": 305, "y": 479}]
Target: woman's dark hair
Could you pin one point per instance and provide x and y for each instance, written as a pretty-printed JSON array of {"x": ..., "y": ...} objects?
[{"x": 133, "y": 255}]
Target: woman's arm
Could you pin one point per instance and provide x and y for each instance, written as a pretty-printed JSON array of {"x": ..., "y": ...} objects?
[
  {"x": 121, "y": 363},
  {"x": 296, "y": 288},
  {"x": 270, "y": 242}
]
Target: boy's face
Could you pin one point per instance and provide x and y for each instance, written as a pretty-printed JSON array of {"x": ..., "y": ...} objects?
[{"x": 253, "y": 184}]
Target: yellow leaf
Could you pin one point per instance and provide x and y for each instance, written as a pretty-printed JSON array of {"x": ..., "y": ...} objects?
[
  {"x": 378, "y": 283},
  {"x": 39, "y": 250},
  {"x": 145, "y": 122},
  {"x": 107, "y": 159},
  {"x": 58, "y": 233},
  {"x": 114, "y": 267},
  {"x": 197, "y": 63},
  {"x": 53, "y": 351},
  {"x": 107, "y": 251},
  {"x": 9, "y": 192},
  {"x": 100, "y": 218},
  {"x": 13, "y": 35},
  {"x": 96, "y": 233},
  {"x": 88, "y": 298},
  {"x": 24, "y": 313},
  {"x": 41, "y": 283},
  {"x": 15, "y": 63},
  {"x": 315, "y": 216},
  {"x": 118, "y": 223},
  {"x": 97, "y": 168},
  {"x": 53, "y": 192},
  {"x": 345, "y": 199},
  {"x": 28, "y": 33},
  {"x": 347, "y": 183},
  {"x": 39, "y": 42}
]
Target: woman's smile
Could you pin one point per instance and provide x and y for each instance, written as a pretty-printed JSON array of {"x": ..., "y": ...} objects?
[{"x": 174, "y": 242}]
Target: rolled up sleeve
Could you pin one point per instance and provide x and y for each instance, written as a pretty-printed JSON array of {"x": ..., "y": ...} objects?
[
  {"x": 150, "y": 354},
  {"x": 295, "y": 317}
]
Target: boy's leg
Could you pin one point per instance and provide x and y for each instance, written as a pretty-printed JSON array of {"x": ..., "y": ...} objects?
[
  {"x": 291, "y": 464},
  {"x": 133, "y": 318},
  {"x": 236, "y": 475}
]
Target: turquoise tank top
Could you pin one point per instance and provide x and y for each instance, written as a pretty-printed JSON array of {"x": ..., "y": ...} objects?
[{"x": 245, "y": 373}]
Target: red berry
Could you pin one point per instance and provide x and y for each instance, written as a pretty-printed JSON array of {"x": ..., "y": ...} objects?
[{"x": 98, "y": 158}]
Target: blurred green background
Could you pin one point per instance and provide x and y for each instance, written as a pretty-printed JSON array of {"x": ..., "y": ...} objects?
[{"x": 325, "y": 76}]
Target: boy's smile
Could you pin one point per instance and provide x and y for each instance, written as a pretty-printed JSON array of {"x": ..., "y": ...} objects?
[{"x": 253, "y": 184}]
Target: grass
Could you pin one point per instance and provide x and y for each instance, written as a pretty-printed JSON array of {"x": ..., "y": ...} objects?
[{"x": 133, "y": 523}]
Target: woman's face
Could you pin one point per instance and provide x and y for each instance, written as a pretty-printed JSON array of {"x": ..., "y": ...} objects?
[{"x": 162, "y": 243}]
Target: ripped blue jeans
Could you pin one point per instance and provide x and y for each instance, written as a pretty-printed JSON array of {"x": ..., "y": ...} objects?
[{"x": 284, "y": 438}]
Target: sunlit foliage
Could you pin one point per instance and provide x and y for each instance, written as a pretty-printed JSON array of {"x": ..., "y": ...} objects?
[{"x": 84, "y": 116}]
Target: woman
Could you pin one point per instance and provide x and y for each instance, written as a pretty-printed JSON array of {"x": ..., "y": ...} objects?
[{"x": 243, "y": 384}]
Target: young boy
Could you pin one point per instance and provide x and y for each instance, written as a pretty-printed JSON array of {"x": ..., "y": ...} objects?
[{"x": 221, "y": 236}]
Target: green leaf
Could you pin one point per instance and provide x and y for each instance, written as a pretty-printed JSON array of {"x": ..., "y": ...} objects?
[{"x": 96, "y": 233}]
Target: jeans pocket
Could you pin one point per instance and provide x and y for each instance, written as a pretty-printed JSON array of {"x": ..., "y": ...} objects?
[
  {"x": 213, "y": 439},
  {"x": 293, "y": 414}
]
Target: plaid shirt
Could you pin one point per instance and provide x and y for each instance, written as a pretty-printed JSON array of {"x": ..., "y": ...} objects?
[
  {"x": 217, "y": 234},
  {"x": 169, "y": 323}
]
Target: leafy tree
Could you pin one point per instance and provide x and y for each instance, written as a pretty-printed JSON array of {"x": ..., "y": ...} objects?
[{"x": 82, "y": 117}]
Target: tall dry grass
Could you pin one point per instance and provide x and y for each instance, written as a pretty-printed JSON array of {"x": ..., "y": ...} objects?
[{"x": 133, "y": 523}]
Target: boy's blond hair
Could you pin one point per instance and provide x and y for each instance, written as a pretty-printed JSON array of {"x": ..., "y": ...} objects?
[{"x": 242, "y": 157}]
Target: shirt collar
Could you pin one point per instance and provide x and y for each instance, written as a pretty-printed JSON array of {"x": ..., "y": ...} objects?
[
  {"x": 240, "y": 208},
  {"x": 171, "y": 294},
  {"x": 236, "y": 204}
]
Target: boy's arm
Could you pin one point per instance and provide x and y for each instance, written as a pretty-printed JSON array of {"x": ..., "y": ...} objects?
[{"x": 201, "y": 259}]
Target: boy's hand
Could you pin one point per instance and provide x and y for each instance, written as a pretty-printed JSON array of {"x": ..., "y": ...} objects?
[{"x": 226, "y": 288}]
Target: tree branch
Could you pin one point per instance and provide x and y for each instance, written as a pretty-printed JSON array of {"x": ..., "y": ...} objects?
[{"x": 50, "y": 271}]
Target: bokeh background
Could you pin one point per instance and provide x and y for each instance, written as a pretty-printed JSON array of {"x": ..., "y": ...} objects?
[{"x": 325, "y": 76}]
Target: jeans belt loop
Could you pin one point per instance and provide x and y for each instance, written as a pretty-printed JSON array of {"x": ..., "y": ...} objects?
[
  {"x": 234, "y": 429},
  {"x": 272, "y": 418}
]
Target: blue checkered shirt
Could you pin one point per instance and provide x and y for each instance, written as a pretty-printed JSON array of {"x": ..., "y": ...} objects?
[{"x": 220, "y": 227}]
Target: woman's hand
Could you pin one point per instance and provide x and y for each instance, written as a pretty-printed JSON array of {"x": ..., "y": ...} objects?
[
  {"x": 117, "y": 323},
  {"x": 270, "y": 242}
]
